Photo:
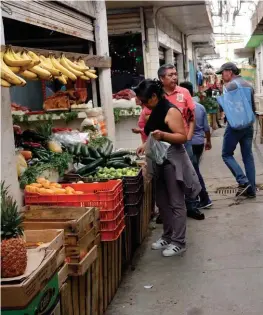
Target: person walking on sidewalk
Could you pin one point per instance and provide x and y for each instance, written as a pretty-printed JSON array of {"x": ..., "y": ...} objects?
[
  {"x": 181, "y": 98},
  {"x": 176, "y": 175},
  {"x": 239, "y": 107},
  {"x": 201, "y": 131}
]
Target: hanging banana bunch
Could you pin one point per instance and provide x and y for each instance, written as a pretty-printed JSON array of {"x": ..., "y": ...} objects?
[{"x": 31, "y": 66}]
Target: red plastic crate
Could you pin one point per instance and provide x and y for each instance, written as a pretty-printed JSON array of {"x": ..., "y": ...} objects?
[
  {"x": 109, "y": 214},
  {"x": 107, "y": 236},
  {"x": 103, "y": 195},
  {"x": 110, "y": 225}
]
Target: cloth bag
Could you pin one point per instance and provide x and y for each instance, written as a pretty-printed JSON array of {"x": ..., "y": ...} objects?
[{"x": 237, "y": 105}]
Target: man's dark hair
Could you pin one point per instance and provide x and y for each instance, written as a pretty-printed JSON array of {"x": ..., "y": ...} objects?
[
  {"x": 189, "y": 86},
  {"x": 162, "y": 70}
]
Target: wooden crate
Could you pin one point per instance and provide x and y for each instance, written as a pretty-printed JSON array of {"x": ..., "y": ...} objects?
[
  {"x": 80, "y": 295},
  {"x": 80, "y": 226},
  {"x": 110, "y": 272},
  {"x": 75, "y": 221},
  {"x": 51, "y": 239}
]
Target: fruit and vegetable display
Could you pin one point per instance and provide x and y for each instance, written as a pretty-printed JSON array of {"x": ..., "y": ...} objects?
[
  {"x": 99, "y": 154},
  {"x": 43, "y": 186},
  {"x": 37, "y": 153},
  {"x": 25, "y": 64},
  {"x": 13, "y": 248}
]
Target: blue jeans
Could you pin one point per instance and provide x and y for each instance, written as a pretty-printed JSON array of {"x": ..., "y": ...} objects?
[
  {"x": 245, "y": 138},
  {"x": 197, "y": 153}
]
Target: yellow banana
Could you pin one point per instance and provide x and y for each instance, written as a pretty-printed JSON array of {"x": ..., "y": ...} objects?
[
  {"x": 24, "y": 54},
  {"x": 13, "y": 60},
  {"x": 33, "y": 57},
  {"x": 28, "y": 75},
  {"x": 14, "y": 69},
  {"x": 8, "y": 75},
  {"x": 62, "y": 79},
  {"x": 65, "y": 64},
  {"x": 91, "y": 75},
  {"x": 5, "y": 83},
  {"x": 83, "y": 77},
  {"x": 92, "y": 70},
  {"x": 49, "y": 67},
  {"x": 62, "y": 69},
  {"x": 42, "y": 73},
  {"x": 81, "y": 63},
  {"x": 23, "y": 82},
  {"x": 76, "y": 66}
]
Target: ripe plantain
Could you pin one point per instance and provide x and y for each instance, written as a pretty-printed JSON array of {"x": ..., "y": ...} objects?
[
  {"x": 47, "y": 65},
  {"x": 76, "y": 66},
  {"x": 28, "y": 75},
  {"x": 62, "y": 69},
  {"x": 62, "y": 79},
  {"x": 14, "y": 69},
  {"x": 65, "y": 64},
  {"x": 5, "y": 83},
  {"x": 83, "y": 77},
  {"x": 91, "y": 75},
  {"x": 8, "y": 75},
  {"x": 34, "y": 57},
  {"x": 14, "y": 60}
]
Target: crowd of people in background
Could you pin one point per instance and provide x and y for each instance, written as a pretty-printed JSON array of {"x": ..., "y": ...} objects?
[{"x": 171, "y": 114}]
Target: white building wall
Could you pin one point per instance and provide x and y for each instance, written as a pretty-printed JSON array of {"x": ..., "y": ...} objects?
[
  {"x": 259, "y": 69},
  {"x": 152, "y": 54}
]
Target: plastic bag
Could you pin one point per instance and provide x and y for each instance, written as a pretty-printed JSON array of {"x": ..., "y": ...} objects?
[
  {"x": 21, "y": 164},
  {"x": 70, "y": 138},
  {"x": 237, "y": 107},
  {"x": 156, "y": 150}
]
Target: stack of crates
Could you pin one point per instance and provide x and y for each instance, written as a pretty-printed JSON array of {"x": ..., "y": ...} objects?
[{"x": 133, "y": 193}]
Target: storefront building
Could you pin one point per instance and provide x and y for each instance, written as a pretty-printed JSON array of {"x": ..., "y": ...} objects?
[
  {"x": 69, "y": 26},
  {"x": 168, "y": 33}
]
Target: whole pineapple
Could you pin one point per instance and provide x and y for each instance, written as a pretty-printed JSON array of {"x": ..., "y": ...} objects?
[{"x": 13, "y": 249}]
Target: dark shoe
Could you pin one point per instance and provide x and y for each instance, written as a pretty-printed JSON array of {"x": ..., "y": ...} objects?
[
  {"x": 197, "y": 215},
  {"x": 242, "y": 190},
  {"x": 251, "y": 196},
  {"x": 159, "y": 220},
  {"x": 205, "y": 204}
]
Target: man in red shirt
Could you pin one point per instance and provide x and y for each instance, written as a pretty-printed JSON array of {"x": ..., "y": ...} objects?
[{"x": 182, "y": 99}]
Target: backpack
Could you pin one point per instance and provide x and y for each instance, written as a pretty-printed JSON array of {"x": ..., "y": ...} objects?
[{"x": 237, "y": 106}]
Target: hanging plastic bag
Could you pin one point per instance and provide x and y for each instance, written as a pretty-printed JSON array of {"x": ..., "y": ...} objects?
[
  {"x": 156, "y": 150},
  {"x": 237, "y": 106}
]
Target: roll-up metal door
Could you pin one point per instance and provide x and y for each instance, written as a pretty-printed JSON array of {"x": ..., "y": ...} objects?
[
  {"x": 161, "y": 53},
  {"x": 123, "y": 23},
  {"x": 50, "y": 15}
]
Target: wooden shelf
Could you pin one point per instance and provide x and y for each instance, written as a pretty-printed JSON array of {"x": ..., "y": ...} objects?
[{"x": 91, "y": 60}]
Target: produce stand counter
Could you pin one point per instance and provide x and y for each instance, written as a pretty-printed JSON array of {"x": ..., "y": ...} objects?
[{"x": 88, "y": 222}]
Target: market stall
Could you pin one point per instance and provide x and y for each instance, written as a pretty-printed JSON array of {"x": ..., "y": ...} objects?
[{"x": 87, "y": 205}]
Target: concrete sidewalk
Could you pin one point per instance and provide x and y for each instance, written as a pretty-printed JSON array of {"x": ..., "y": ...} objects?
[{"x": 222, "y": 271}]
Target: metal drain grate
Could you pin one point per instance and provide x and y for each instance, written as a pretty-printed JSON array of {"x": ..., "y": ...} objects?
[{"x": 226, "y": 191}]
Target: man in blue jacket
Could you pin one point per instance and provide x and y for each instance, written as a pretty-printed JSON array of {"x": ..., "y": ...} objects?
[{"x": 244, "y": 137}]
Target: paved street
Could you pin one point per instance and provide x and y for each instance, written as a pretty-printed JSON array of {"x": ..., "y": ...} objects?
[{"x": 222, "y": 271}]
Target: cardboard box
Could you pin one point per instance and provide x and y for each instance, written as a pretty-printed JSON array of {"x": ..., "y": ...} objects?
[
  {"x": 26, "y": 290},
  {"x": 46, "y": 302}
]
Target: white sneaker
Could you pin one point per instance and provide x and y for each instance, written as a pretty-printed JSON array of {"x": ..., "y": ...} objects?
[
  {"x": 160, "y": 244},
  {"x": 173, "y": 250}
]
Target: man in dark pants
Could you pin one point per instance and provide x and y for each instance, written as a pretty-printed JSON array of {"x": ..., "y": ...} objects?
[
  {"x": 201, "y": 131},
  {"x": 243, "y": 137}
]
